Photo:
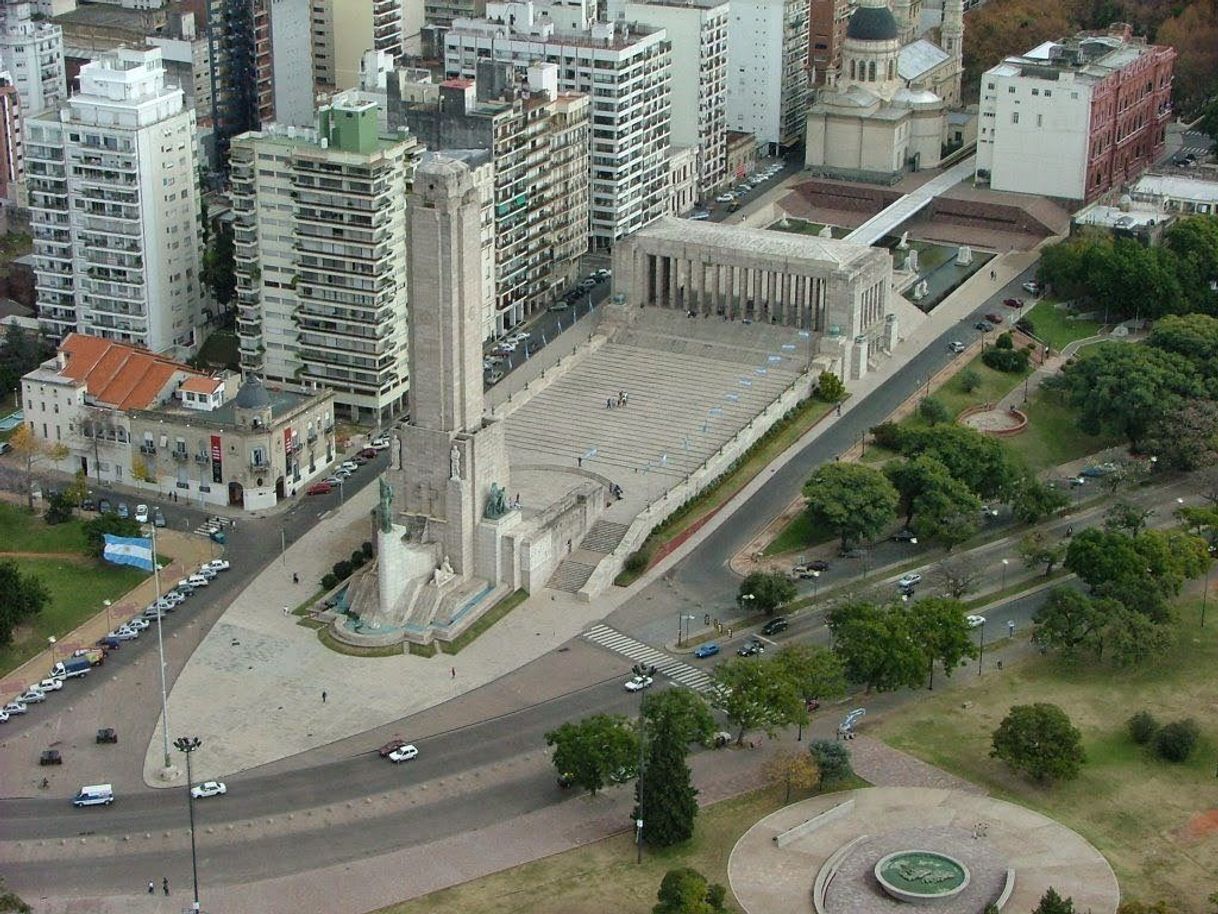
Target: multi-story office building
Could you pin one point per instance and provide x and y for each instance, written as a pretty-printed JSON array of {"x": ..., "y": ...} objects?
[
  {"x": 826, "y": 31},
  {"x": 114, "y": 208},
  {"x": 320, "y": 235},
  {"x": 239, "y": 46},
  {"x": 12, "y": 140},
  {"x": 343, "y": 30},
  {"x": 442, "y": 14},
  {"x": 1075, "y": 118},
  {"x": 31, "y": 50},
  {"x": 532, "y": 132},
  {"x": 624, "y": 68},
  {"x": 767, "y": 59},
  {"x": 187, "y": 61},
  {"x": 291, "y": 62},
  {"x": 697, "y": 30}
]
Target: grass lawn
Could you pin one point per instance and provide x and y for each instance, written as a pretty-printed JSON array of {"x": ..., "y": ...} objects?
[
  {"x": 799, "y": 533},
  {"x": 1051, "y": 325},
  {"x": 22, "y": 532},
  {"x": 603, "y": 876},
  {"x": 1157, "y": 823},
  {"x": 994, "y": 385},
  {"x": 1053, "y": 436},
  {"x": 77, "y": 591}
]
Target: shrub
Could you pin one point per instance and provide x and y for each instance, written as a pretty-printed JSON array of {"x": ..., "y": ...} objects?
[
  {"x": 1008, "y": 360},
  {"x": 1026, "y": 326},
  {"x": 1004, "y": 341},
  {"x": 637, "y": 561},
  {"x": 1142, "y": 727},
  {"x": 1175, "y": 741},
  {"x": 933, "y": 412},
  {"x": 890, "y": 435},
  {"x": 832, "y": 758},
  {"x": 329, "y": 581},
  {"x": 829, "y": 387},
  {"x": 366, "y": 548},
  {"x": 969, "y": 380},
  {"x": 342, "y": 569},
  {"x": 59, "y": 509},
  {"x": 357, "y": 559}
]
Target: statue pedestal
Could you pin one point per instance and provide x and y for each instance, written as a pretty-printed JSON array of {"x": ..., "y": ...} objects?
[
  {"x": 491, "y": 560},
  {"x": 399, "y": 562}
]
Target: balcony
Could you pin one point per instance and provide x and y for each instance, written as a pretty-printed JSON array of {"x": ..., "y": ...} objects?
[
  {"x": 147, "y": 448},
  {"x": 180, "y": 456},
  {"x": 202, "y": 458}
]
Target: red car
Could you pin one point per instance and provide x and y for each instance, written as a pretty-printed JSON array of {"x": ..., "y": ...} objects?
[
  {"x": 392, "y": 746},
  {"x": 319, "y": 488},
  {"x": 995, "y": 318},
  {"x": 369, "y": 452},
  {"x": 1013, "y": 302}
]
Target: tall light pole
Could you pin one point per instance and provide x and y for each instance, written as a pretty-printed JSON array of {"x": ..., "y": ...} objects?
[
  {"x": 51, "y": 641},
  {"x": 642, "y": 670},
  {"x": 160, "y": 649},
  {"x": 1005, "y": 563},
  {"x": 188, "y": 745},
  {"x": 980, "y": 646}
]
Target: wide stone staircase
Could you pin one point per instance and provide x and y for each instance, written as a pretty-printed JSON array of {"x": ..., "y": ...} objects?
[
  {"x": 604, "y": 537},
  {"x": 573, "y": 572}
]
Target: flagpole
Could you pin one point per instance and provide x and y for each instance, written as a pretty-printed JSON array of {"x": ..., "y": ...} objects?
[{"x": 160, "y": 646}]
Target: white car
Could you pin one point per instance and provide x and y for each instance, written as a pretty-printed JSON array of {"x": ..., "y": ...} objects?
[
  {"x": 638, "y": 683},
  {"x": 123, "y": 634},
  {"x": 1031, "y": 287},
  {"x": 15, "y": 707},
  {"x": 152, "y": 613},
  {"x": 198, "y": 580},
  {"x": 603, "y": 273},
  {"x": 174, "y": 597},
  {"x": 519, "y": 336},
  {"x": 380, "y": 442},
  {"x": 975, "y": 621},
  {"x": 405, "y": 754},
  {"x": 724, "y": 198},
  {"x": 207, "y": 571},
  {"x": 913, "y": 579},
  {"x": 218, "y": 565},
  {"x": 32, "y": 696},
  {"x": 349, "y": 465},
  {"x": 141, "y": 514},
  {"x": 49, "y": 685},
  {"x": 139, "y": 623},
  {"x": 3, "y": 717},
  {"x": 209, "y": 789}
]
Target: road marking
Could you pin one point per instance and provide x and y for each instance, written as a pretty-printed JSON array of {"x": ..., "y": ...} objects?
[{"x": 676, "y": 670}]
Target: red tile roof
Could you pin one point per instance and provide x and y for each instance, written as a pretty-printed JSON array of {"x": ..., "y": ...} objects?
[
  {"x": 119, "y": 375},
  {"x": 199, "y": 384}
]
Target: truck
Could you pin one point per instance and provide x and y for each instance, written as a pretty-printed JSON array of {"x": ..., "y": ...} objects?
[
  {"x": 95, "y": 655},
  {"x": 71, "y": 668}
]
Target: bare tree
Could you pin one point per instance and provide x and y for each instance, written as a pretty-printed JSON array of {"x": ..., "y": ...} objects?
[
  {"x": 792, "y": 769},
  {"x": 97, "y": 423},
  {"x": 957, "y": 575},
  {"x": 33, "y": 450}
]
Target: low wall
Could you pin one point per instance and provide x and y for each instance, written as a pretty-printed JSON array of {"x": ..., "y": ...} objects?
[
  {"x": 1008, "y": 889},
  {"x": 824, "y": 878},
  {"x": 714, "y": 467},
  {"x": 804, "y": 828},
  {"x": 1021, "y": 420},
  {"x": 857, "y": 198}
]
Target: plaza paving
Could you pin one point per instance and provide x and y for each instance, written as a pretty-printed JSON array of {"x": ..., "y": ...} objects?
[{"x": 771, "y": 870}]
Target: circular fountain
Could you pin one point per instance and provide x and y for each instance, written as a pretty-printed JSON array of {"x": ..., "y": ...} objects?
[{"x": 921, "y": 877}]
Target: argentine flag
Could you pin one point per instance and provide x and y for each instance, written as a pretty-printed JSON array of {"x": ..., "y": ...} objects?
[{"x": 128, "y": 550}]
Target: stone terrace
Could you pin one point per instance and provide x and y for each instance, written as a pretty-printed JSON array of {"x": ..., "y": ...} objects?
[{"x": 692, "y": 384}]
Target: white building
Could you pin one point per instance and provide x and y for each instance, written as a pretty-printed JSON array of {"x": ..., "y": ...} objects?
[
  {"x": 683, "y": 180},
  {"x": 32, "y": 52},
  {"x": 320, "y": 235},
  {"x": 291, "y": 62},
  {"x": 767, "y": 83},
  {"x": 625, "y": 69},
  {"x": 114, "y": 208},
  {"x": 698, "y": 31}
]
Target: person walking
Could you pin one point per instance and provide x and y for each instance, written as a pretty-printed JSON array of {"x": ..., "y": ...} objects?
[
  {"x": 165, "y": 885},
  {"x": 151, "y": 887},
  {"x": 285, "y": 611},
  {"x": 453, "y": 672},
  {"x": 323, "y": 696}
]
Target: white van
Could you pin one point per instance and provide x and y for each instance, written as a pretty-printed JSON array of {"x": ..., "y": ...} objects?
[{"x": 97, "y": 795}]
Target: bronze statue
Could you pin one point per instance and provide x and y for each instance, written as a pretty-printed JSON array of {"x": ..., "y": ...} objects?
[{"x": 496, "y": 505}]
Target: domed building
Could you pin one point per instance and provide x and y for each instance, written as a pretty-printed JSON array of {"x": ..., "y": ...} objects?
[{"x": 885, "y": 112}]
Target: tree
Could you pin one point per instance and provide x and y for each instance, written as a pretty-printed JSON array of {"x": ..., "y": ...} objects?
[
  {"x": 1209, "y": 119},
  {"x": 97, "y": 528},
  {"x": 683, "y": 711},
  {"x": 980, "y": 462},
  {"x": 829, "y": 387},
  {"x": 59, "y": 508},
  {"x": 78, "y": 490},
  {"x": 832, "y": 760},
  {"x": 25, "y": 596},
  {"x": 968, "y": 380},
  {"x": 1011, "y": 361},
  {"x": 1175, "y": 741},
  {"x": 219, "y": 265},
  {"x": 589, "y": 751},
  {"x": 765, "y": 591},
  {"x": 957, "y": 576},
  {"x": 1142, "y": 727},
  {"x": 21, "y": 352},
  {"x": 933, "y": 412},
  {"x": 947, "y": 512},
  {"x": 940, "y": 630},
  {"x": 792, "y": 769},
  {"x": 1185, "y": 437},
  {"x": 665, "y": 797},
  {"x": 686, "y": 891},
  {"x": 1040, "y": 740},
  {"x": 1127, "y": 517},
  {"x": 876, "y": 646},
  {"x": 1134, "y": 639},
  {"x": 815, "y": 672},
  {"x": 11, "y": 902},
  {"x": 755, "y": 695},
  {"x": 1070, "y": 621},
  {"x": 856, "y": 502},
  {"x": 33, "y": 450},
  {"x": 1038, "y": 551},
  {"x": 1033, "y": 500},
  {"x": 1052, "y": 903}
]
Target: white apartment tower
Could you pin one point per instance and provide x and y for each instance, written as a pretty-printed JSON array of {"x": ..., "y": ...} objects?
[
  {"x": 114, "y": 208},
  {"x": 32, "y": 52},
  {"x": 626, "y": 71},
  {"x": 698, "y": 32},
  {"x": 320, "y": 236},
  {"x": 767, "y": 84}
]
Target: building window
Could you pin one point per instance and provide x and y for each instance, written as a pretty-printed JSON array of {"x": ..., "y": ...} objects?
[
  {"x": 1036, "y": 92},
  {"x": 871, "y": 72},
  {"x": 1011, "y": 90},
  {"x": 1014, "y": 117},
  {"x": 1048, "y": 93}
]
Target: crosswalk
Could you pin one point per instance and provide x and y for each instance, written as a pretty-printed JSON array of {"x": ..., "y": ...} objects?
[
  {"x": 213, "y": 525},
  {"x": 676, "y": 670},
  {"x": 1195, "y": 150}
]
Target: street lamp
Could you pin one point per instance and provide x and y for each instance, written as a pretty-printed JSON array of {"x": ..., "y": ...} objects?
[
  {"x": 815, "y": 584},
  {"x": 642, "y": 670},
  {"x": 51, "y": 641},
  {"x": 1005, "y": 563},
  {"x": 188, "y": 745},
  {"x": 683, "y": 619},
  {"x": 980, "y": 646}
]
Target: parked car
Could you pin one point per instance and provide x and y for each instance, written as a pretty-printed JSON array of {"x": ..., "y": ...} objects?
[
  {"x": 349, "y": 465},
  {"x": 750, "y": 649},
  {"x": 32, "y": 696},
  {"x": 379, "y": 443},
  {"x": 853, "y": 552},
  {"x": 706, "y": 650},
  {"x": 775, "y": 625},
  {"x": 494, "y": 377},
  {"x": 104, "y": 507},
  {"x": 123, "y": 511},
  {"x": 51, "y": 684},
  {"x": 158, "y": 519},
  {"x": 209, "y": 789},
  {"x": 404, "y": 754},
  {"x": 218, "y": 565},
  {"x": 1099, "y": 470},
  {"x": 563, "y": 305},
  {"x": 3, "y": 716},
  {"x": 17, "y": 706},
  {"x": 107, "y": 735},
  {"x": 994, "y": 318},
  {"x": 88, "y": 505},
  {"x": 369, "y": 452},
  {"x": 905, "y": 535},
  {"x": 974, "y": 621},
  {"x": 724, "y": 198},
  {"x": 123, "y": 634},
  {"x": 392, "y": 746},
  {"x": 638, "y": 683},
  {"x": 198, "y": 580},
  {"x": 333, "y": 479},
  {"x": 208, "y": 572},
  {"x": 319, "y": 488},
  {"x": 109, "y": 642},
  {"x": 1013, "y": 302},
  {"x": 912, "y": 579},
  {"x": 982, "y": 326},
  {"x": 1031, "y": 287},
  {"x": 955, "y": 346},
  {"x": 50, "y": 757},
  {"x": 141, "y": 513},
  {"x": 185, "y": 588},
  {"x": 138, "y": 623}
]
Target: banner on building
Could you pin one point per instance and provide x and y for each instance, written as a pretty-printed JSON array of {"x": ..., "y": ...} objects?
[{"x": 217, "y": 453}]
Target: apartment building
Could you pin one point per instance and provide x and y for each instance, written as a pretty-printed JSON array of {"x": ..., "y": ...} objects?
[
  {"x": 533, "y": 133},
  {"x": 441, "y": 14},
  {"x": 31, "y": 51},
  {"x": 187, "y": 61},
  {"x": 238, "y": 34},
  {"x": 1075, "y": 118},
  {"x": 683, "y": 180},
  {"x": 624, "y": 68},
  {"x": 826, "y": 31},
  {"x": 12, "y": 140},
  {"x": 767, "y": 59},
  {"x": 343, "y": 30},
  {"x": 114, "y": 208},
  {"x": 697, "y": 30},
  {"x": 320, "y": 236}
]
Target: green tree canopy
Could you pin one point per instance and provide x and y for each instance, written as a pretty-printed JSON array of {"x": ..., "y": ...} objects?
[
  {"x": 686, "y": 891},
  {"x": 25, "y": 596},
  {"x": 978, "y": 461},
  {"x": 97, "y": 528},
  {"x": 855, "y": 501},
  {"x": 816, "y": 672},
  {"x": 876, "y": 646},
  {"x": 940, "y": 630},
  {"x": 765, "y": 591},
  {"x": 683, "y": 711},
  {"x": 590, "y": 750},
  {"x": 665, "y": 798},
  {"x": 1033, "y": 500},
  {"x": 1052, "y": 903},
  {"x": 1039, "y": 550},
  {"x": 1040, "y": 741},
  {"x": 755, "y": 695}
]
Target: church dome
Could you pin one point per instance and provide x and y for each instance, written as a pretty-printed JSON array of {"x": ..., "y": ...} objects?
[
  {"x": 252, "y": 395},
  {"x": 872, "y": 21}
]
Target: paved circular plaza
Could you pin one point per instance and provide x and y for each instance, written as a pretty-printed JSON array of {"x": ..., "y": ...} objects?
[{"x": 820, "y": 855}]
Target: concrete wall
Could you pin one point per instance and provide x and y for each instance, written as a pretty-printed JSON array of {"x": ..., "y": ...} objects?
[{"x": 564, "y": 522}]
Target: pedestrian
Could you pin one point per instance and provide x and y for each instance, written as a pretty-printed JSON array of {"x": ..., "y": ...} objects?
[
  {"x": 579, "y": 461},
  {"x": 165, "y": 885},
  {"x": 1010, "y": 628},
  {"x": 609, "y": 403},
  {"x": 285, "y": 611},
  {"x": 151, "y": 888},
  {"x": 453, "y": 672},
  {"x": 839, "y": 409},
  {"x": 323, "y": 696},
  {"x": 295, "y": 578}
]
